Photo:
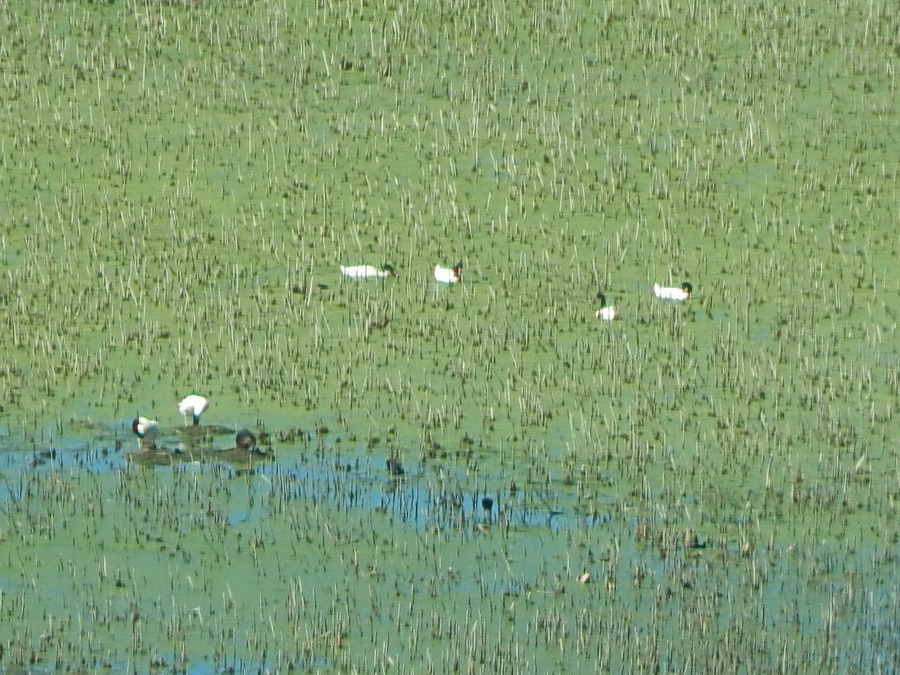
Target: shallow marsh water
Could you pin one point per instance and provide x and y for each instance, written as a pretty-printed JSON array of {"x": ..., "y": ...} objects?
[{"x": 180, "y": 185}]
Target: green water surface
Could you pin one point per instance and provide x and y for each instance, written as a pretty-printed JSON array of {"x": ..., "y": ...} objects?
[{"x": 181, "y": 182}]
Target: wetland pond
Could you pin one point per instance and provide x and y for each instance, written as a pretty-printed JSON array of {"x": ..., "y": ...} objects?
[{"x": 700, "y": 485}]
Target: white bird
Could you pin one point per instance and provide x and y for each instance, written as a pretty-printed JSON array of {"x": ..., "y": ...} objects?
[
  {"x": 606, "y": 312},
  {"x": 447, "y": 275},
  {"x": 194, "y": 406},
  {"x": 673, "y": 292},
  {"x": 368, "y": 271},
  {"x": 146, "y": 430}
]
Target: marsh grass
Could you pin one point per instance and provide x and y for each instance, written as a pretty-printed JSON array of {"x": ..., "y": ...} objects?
[{"x": 181, "y": 182}]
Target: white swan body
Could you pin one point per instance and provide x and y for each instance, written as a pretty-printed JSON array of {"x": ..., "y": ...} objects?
[
  {"x": 682, "y": 292},
  {"x": 606, "y": 312},
  {"x": 146, "y": 430},
  {"x": 194, "y": 406},
  {"x": 448, "y": 275},
  {"x": 368, "y": 271}
]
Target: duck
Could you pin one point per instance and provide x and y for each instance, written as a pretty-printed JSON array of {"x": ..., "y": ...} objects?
[
  {"x": 146, "y": 430},
  {"x": 245, "y": 450},
  {"x": 194, "y": 406},
  {"x": 42, "y": 457},
  {"x": 606, "y": 312},
  {"x": 245, "y": 440},
  {"x": 368, "y": 271},
  {"x": 682, "y": 292},
  {"x": 448, "y": 275}
]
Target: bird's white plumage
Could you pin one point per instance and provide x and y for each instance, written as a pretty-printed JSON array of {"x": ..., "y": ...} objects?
[
  {"x": 448, "y": 275},
  {"x": 606, "y": 312},
  {"x": 368, "y": 271},
  {"x": 194, "y": 406},
  {"x": 146, "y": 430},
  {"x": 682, "y": 292}
]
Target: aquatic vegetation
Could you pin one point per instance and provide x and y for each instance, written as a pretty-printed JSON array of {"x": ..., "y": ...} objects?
[{"x": 181, "y": 184}]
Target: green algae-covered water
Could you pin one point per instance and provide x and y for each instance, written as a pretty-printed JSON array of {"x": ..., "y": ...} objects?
[{"x": 701, "y": 486}]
